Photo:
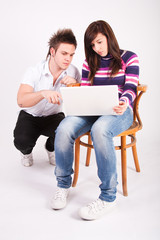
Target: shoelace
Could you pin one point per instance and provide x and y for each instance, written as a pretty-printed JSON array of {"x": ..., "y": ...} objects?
[
  {"x": 61, "y": 193},
  {"x": 96, "y": 206},
  {"x": 26, "y": 157}
]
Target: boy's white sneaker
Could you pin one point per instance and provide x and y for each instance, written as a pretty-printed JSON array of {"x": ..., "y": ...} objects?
[
  {"x": 95, "y": 209},
  {"x": 59, "y": 201},
  {"x": 27, "y": 159},
  {"x": 51, "y": 157}
]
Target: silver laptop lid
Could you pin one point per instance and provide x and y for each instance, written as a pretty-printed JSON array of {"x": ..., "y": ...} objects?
[{"x": 93, "y": 100}]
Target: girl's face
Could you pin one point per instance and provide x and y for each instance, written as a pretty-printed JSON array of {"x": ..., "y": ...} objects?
[{"x": 100, "y": 45}]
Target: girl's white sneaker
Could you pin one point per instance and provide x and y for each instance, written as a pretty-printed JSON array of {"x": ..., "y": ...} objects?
[
  {"x": 59, "y": 201},
  {"x": 95, "y": 209}
]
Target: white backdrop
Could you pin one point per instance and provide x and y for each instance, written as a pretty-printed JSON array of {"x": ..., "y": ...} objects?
[{"x": 26, "y": 27}]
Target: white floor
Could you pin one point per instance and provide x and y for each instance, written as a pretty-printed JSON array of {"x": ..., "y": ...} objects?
[{"x": 25, "y": 211}]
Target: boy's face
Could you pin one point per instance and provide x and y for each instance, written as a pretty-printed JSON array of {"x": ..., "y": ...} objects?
[{"x": 63, "y": 56}]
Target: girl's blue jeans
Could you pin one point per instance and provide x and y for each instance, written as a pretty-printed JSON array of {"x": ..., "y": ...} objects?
[{"x": 103, "y": 129}]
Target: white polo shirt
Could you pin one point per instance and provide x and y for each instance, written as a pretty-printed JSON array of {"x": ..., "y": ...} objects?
[{"x": 40, "y": 78}]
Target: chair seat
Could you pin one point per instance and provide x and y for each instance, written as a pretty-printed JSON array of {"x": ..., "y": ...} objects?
[
  {"x": 129, "y": 132},
  {"x": 133, "y": 128}
]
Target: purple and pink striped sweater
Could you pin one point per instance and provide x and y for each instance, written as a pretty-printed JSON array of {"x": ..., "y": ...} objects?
[{"x": 127, "y": 78}]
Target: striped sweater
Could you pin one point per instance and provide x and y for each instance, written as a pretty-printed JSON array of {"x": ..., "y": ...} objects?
[{"x": 126, "y": 79}]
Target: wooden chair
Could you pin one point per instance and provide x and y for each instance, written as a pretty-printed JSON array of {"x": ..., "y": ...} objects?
[{"x": 131, "y": 132}]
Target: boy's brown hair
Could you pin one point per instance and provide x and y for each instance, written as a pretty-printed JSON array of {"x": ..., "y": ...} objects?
[{"x": 61, "y": 36}]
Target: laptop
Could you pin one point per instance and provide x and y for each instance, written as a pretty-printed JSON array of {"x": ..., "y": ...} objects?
[{"x": 89, "y": 100}]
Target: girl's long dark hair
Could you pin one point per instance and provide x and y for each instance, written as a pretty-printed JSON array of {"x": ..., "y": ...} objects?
[{"x": 92, "y": 57}]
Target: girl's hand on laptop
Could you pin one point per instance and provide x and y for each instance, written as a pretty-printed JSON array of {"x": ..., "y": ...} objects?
[
  {"x": 67, "y": 80},
  {"x": 121, "y": 108}
]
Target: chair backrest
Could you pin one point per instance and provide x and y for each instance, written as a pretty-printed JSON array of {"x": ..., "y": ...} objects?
[{"x": 140, "y": 90}]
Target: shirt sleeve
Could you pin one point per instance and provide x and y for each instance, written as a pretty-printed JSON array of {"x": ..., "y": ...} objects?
[
  {"x": 77, "y": 76},
  {"x": 73, "y": 72},
  {"x": 85, "y": 72},
  {"x": 131, "y": 66},
  {"x": 30, "y": 77}
]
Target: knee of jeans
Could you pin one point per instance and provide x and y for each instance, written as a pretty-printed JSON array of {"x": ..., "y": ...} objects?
[
  {"x": 99, "y": 131},
  {"x": 64, "y": 132}
]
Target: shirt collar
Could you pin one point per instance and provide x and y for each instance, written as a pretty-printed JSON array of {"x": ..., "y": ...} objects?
[
  {"x": 108, "y": 56},
  {"x": 46, "y": 67},
  {"x": 47, "y": 71}
]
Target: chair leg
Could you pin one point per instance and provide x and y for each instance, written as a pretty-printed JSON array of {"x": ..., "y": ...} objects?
[
  {"x": 88, "y": 151},
  {"x": 124, "y": 165},
  {"x": 135, "y": 156},
  {"x": 76, "y": 163}
]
